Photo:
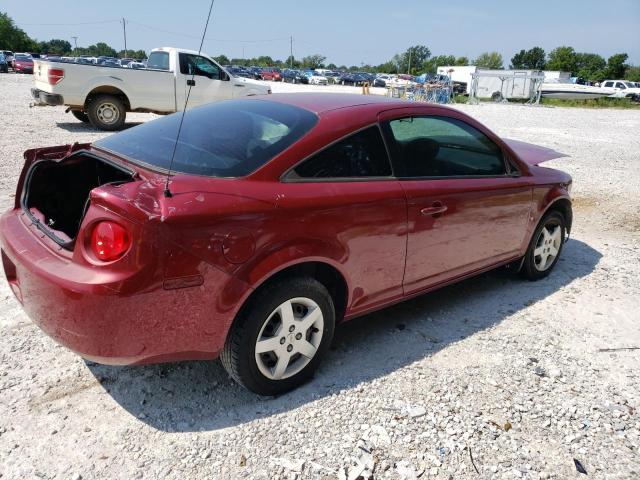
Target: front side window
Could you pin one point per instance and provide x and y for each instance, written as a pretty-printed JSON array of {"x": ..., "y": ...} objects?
[
  {"x": 362, "y": 154},
  {"x": 443, "y": 147},
  {"x": 158, "y": 60},
  {"x": 197, "y": 65},
  {"x": 608, "y": 84}
]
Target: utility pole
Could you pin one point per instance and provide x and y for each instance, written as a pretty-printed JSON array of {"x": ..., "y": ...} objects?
[
  {"x": 75, "y": 43},
  {"x": 291, "y": 52},
  {"x": 124, "y": 31},
  {"x": 409, "y": 68}
]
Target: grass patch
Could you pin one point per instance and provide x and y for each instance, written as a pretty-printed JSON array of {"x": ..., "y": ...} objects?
[{"x": 603, "y": 102}]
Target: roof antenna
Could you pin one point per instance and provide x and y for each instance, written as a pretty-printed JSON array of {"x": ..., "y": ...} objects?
[{"x": 167, "y": 192}]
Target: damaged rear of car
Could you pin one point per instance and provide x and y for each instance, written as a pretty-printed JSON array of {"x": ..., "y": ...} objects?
[{"x": 87, "y": 253}]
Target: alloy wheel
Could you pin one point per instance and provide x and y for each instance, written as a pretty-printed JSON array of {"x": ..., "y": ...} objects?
[
  {"x": 289, "y": 338},
  {"x": 547, "y": 246}
]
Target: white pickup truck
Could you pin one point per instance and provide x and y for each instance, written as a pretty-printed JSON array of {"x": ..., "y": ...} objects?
[
  {"x": 102, "y": 95},
  {"x": 623, "y": 89}
]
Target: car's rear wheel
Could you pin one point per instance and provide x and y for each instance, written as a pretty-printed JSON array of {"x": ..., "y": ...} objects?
[
  {"x": 280, "y": 337},
  {"x": 107, "y": 112},
  {"x": 545, "y": 246},
  {"x": 83, "y": 117}
]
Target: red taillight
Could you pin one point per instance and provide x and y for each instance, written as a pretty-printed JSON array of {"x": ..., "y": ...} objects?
[
  {"x": 109, "y": 241},
  {"x": 55, "y": 75}
]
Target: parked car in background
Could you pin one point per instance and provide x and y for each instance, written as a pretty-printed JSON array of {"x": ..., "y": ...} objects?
[
  {"x": 623, "y": 89},
  {"x": 23, "y": 63},
  {"x": 8, "y": 56},
  {"x": 84, "y": 61},
  {"x": 285, "y": 215},
  {"x": 102, "y": 95},
  {"x": 294, "y": 76},
  {"x": 271, "y": 73},
  {"x": 136, "y": 65},
  {"x": 350, "y": 78},
  {"x": 126, "y": 61},
  {"x": 4, "y": 65},
  {"x": 240, "y": 72},
  {"x": 315, "y": 78}
]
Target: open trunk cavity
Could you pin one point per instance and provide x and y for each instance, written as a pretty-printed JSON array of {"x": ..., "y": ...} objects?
[{"x": 57, "y": 192}]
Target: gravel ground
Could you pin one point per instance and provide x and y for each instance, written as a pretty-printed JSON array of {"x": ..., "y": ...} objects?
[{"x": 491, "y": 378}]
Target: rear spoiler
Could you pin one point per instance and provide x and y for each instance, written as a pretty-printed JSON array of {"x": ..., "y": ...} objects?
[{"x": 533, "y": 154}]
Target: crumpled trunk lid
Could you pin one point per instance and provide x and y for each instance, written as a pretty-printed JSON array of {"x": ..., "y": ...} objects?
[{"x": 533, "y": 154}]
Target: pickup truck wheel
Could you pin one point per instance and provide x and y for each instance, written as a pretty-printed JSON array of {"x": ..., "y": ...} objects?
[
  {"x": 83, "y": 117},
  {"x": 107, "y": 112},
  {"x": 279, "y": 338}
]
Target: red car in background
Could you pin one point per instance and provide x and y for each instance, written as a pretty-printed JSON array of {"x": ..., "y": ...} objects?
[
  {"x": 23, "y": 63},
  {"x": 271, "y": 73},
  {"x": 278, "y": 218}
]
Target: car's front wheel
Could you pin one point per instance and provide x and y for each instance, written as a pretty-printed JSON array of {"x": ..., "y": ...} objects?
[
  {"x": 280, "y": 336},
  {"x": 545, "y": 246}
]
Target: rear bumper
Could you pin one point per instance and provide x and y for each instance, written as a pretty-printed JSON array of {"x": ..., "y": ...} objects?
[
  {"x": 46, "y": 98},
  {"x": 123, "y": 321}
]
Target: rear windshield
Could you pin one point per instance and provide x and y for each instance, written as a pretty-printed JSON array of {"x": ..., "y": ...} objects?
[
  {"x": 225, "y": 139},
  {"x": 158, "y": 60}
]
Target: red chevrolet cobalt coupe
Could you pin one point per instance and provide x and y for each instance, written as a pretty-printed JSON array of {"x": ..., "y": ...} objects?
[{"x": 284, "y": 215}]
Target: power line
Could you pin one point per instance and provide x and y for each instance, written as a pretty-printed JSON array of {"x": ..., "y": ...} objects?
[{"x": 67, "y": 24}]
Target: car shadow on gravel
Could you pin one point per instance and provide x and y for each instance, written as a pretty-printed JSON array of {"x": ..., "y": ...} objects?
[
  {"x": 199, "y": 396},
  {"x": 79, "y": 127}
]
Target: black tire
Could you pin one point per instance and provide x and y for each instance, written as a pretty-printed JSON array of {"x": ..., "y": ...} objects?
[
  {"x": 82, "y": 116},
  {"x": 496, "y": 97},
  {"x": 239, "y": 354},
  {"x": 530, "y": 267},
  {"x": 97, "y": 108}
]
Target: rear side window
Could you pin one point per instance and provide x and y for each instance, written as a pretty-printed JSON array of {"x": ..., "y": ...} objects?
[
  {"x": 223, "y": 139},
  {"x": 158, "y": 60},
  {"x": 443, "y": 147},
  {"x": 360, "y": 155}
]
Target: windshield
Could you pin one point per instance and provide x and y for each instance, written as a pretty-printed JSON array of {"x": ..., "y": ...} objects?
[
  {"x": 22, "y": 57},
  {"x": 224, "y": 139}
]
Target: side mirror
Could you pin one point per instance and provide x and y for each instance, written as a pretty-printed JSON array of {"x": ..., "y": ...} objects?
[{"x": 224, "y": 76}]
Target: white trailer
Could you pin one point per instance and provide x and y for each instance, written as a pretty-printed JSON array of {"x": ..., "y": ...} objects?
[{"x": 459, "y": 74}]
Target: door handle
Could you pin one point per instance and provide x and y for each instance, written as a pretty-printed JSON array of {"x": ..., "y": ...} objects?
[
  {"x": 191, "y": 83},
  {"x": 435, "y": 209}
]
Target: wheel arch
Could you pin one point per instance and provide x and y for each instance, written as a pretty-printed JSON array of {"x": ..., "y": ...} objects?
[
  {"x": 107, "y": 90},
  {"x": 562, "y": 205},
  {"x": 321, "y": 270}
]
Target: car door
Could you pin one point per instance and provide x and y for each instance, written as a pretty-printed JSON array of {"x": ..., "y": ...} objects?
[
  {"x": 468, "y": 207},
  {"x": 207, "y": 80},
  {"x": 346, "y": 198}
]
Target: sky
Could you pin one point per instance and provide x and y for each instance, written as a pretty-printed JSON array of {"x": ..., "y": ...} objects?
[{"x": 347, "y": 32}]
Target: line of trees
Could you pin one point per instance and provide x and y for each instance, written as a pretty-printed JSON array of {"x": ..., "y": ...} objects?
[
  {"x": 15, "y": 39},
  {"x": 415, "y": 60}
]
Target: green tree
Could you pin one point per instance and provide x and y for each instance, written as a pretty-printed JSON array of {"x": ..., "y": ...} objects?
[
  {"x": 56, "y": 46},
  {"x": 563, "y": 59},
  {"x": 432, "y": 64},
  {"x": 314, "y": 61},
  {"x": 632, "y": 74},
  {"x": 412, "y": 59},
  {"x": 461, "y": 61},
  {"x": 291, "y": 62},
  {"x": 14, "y": 38},
  {"x": 615, "y": 65},
  {"x": 490, "y": 60},
  {"x": 332, "y": 66},
  {"x": 533, "y": 59},
  {"x": 222, "y": 60},
  {"x": 137, "y": 54},
  {"x": 590, "y": 66}
]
